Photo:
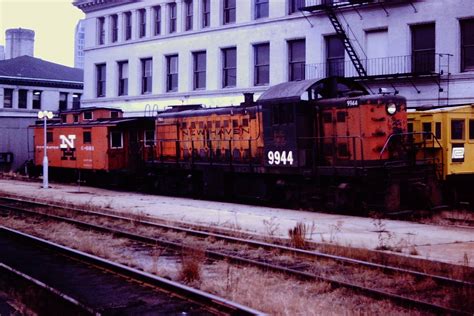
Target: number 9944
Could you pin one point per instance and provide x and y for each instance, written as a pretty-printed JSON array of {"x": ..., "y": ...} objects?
[{"x": 280, "y": 157}]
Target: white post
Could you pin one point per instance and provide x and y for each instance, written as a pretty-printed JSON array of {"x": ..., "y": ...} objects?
[
  {"x": 45, "y": 115},
  {"x": 45, "y": 157}
]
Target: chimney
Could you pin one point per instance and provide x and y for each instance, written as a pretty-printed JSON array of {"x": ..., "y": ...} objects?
[
  {"x": 19, "y": 42},
  {"x": 248, "y": 99}
]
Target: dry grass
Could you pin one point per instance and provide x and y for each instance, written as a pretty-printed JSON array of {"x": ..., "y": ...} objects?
[
  {"x": 297, "y": 235},
  {"x": 192, "y": 261}
]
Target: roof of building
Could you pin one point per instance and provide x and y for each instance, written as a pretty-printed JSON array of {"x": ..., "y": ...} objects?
[{"x": 27, "y": 67}]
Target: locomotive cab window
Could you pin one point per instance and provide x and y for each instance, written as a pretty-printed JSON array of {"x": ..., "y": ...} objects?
[
  {"x": 116, "y": 139},
  {"x": 283, "y": 114},
  {"x": 457, "y": 129},
  {"x": 149, "y": 138}
]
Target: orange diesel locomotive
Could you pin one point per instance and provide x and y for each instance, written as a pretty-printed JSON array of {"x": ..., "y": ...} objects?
[{"x": 312, "y": 143}]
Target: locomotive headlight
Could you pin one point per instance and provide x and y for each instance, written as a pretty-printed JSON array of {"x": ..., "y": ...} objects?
[{"x": 391, "y": 108}]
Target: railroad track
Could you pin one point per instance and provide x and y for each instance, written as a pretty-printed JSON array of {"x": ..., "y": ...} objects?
[
  {"x": 92, "y": 285},
  {"x": 302, "y": 270}
]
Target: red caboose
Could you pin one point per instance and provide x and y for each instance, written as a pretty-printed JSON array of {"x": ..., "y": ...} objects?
[{"x": 94, "y": 139}]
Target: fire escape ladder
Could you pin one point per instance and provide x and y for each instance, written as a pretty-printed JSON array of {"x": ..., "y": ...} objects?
[{"x": 361, "y": 71}]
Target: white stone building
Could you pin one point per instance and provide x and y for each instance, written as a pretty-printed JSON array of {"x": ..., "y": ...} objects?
[{"x": 154, "y": 53}]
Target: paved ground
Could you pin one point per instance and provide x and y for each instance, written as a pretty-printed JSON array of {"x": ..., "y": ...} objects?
[{"x": 447, "y": 244}]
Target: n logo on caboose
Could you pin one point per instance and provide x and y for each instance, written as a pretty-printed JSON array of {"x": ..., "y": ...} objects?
[{"x": 67, "y": 146}]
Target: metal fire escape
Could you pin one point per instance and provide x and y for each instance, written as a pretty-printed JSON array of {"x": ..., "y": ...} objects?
[{"x": 328, "y": 8}]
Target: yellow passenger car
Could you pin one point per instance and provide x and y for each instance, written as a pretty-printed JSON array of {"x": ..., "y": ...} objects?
[{"x": 448, "y": 135}]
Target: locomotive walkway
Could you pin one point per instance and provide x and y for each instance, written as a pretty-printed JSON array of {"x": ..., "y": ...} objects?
[{"x": 440, "y": 243}]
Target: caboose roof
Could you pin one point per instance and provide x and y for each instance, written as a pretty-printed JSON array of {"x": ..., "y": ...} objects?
[{"x": 100, "y": 122}]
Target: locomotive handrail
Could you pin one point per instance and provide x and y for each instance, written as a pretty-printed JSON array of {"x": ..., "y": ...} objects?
[
  {"x": 426, "y": 136},
  {"x": 389, "y": 138}
]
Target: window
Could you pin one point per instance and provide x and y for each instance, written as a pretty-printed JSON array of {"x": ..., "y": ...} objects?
[
  {"x": 22, "y": 98},
  {"x": 229, "y": 12},
  {"x": 128, "y": 25},
  {"x": 438, "y": 130},
  {"x": 294, "y": 6},
  {"x": 206, "y": 13},
  {"x": 62, "y": 101},
  {"x": 149, "y": 138},
  {"x": 188, "y": 6},
  {"x": 114, "y": 114},
  {"x": 457, "y": 129},
  {"x": 157, "y": 20},
  {"x": 261, "y": 64},
  {"x": 199, "y": 80},
  {"x": 172, "y": 13},
  {"x": 296, "y": 60},
  {"x": 116, "y": 139},
  {"x": 76, "y": 101},
  {"x": 261, "y": 9},
  {"x": 334, "y": 56},
  {"x": 87, "y": 137},
  {"x": 36, "y": 99},
  {"x": 229, "y": 67},
  {"x": 75, "y": 118},
  {"x": 147, "y": 69},
  {"x": 426, "y": 127},
  {"x": 423, "y": 48},
  {"x": 101, "y": 30},
  {"x": 340, "y": 117},
  {"x": 100, "y": 80},
  {"x": 471, "y": 129},
  {"x": 282, "y": 114},
  {"x": 114, "y": 28},
  {"x": 142, "y": 18},
  {"x": 123, "y": 78},
  {"x": 87, "y": 115},
  {"x": 172, "y": 73},
  {"x": 7, "y": 98},
  {"x": 467, "y": 45},
  {"x": 49, "y": 137}
]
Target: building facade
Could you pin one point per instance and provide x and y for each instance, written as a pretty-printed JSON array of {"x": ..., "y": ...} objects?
[
  {"x": 28, "y": 85},
  {"x": 155, "y": 53},
  {"x": 79, "y": 45}
]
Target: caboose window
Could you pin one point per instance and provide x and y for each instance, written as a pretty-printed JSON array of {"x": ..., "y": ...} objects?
[
  {"x": 116, "y": 139},
  {"x": 114, "y": 114},
  {"x": 49, "y": 137},
  {"x": 87, "y": 137},
  {"x": 457, "y": 129},
  {"x": 88, "y": 115},
  {"x": 245, "y": 122},
  {"x": 471, "y": 129},
  {"x": 76, "y": 118},
  {"x": 235, "y": 123}
]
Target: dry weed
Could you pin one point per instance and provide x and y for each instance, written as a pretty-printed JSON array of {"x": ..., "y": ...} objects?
[
  {"x": 191, "y": 265},
  {"x": 298, "y": 235}
]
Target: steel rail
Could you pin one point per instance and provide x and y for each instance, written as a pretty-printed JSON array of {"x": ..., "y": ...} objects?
[
  {"x": 402, "y": 300},
  {"x": 212, "y": 301},
  {"x": 265, "y": 245}
]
